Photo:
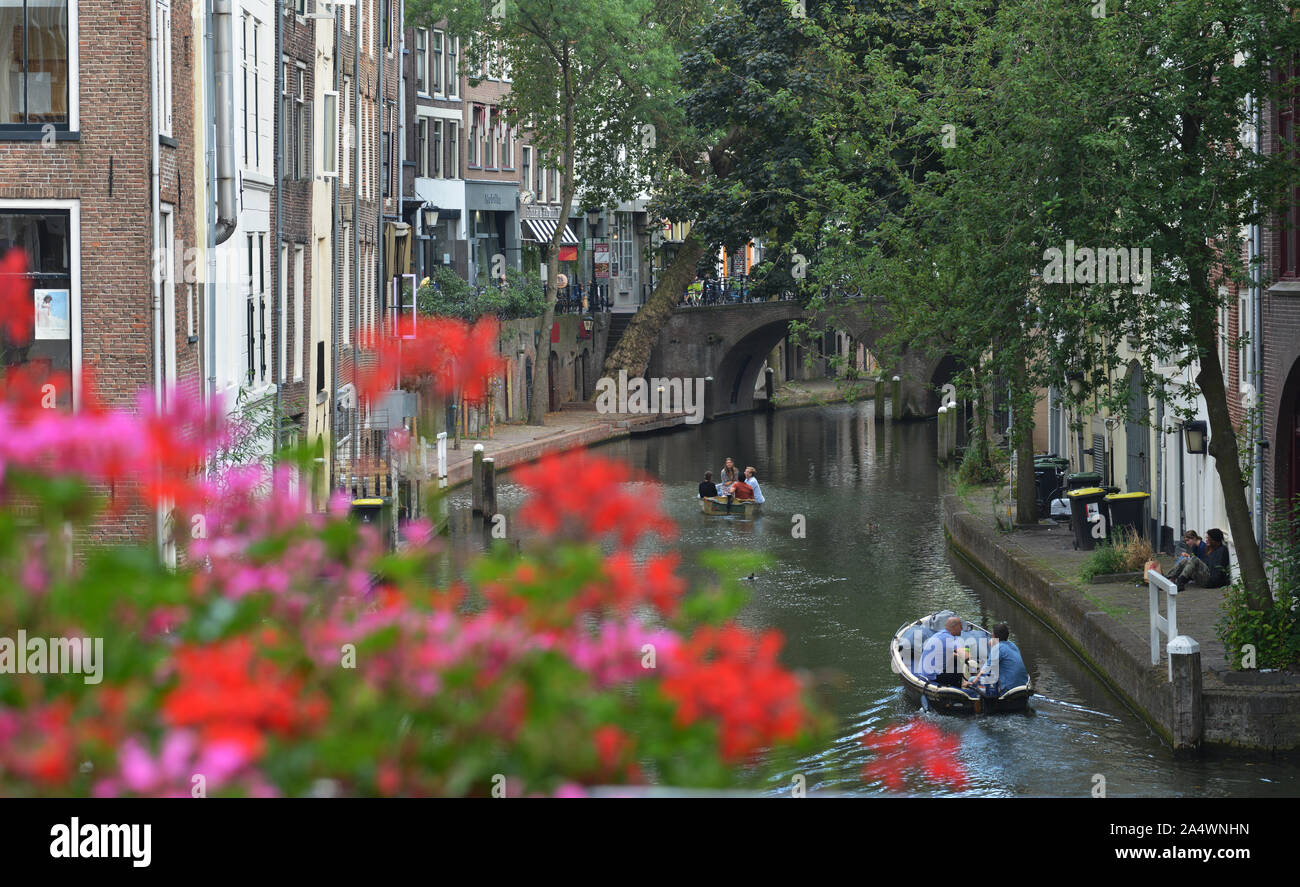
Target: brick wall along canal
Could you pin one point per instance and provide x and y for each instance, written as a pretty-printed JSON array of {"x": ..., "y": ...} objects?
[{"x": 874, "y": 557}]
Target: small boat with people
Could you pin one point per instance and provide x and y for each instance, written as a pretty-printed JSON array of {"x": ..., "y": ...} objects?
[
  {"x": 736, "y": 493},
  {"x": 950, "y": 665}
]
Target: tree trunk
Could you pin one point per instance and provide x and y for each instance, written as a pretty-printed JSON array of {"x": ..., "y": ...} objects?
[
  {"x": 1227, "y": 461},
  {"x": 1022, "y": 438},
  {"x": 542, "y": 363},
  {"x": 632, "y": 353}
]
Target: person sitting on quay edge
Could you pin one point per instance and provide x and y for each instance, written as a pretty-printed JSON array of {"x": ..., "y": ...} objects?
[
  {"x": 1191, "y": 544},
  {"x": 751, "y": 480},
  {"x": 1005, "y": 668},
  {"x": 1210, "y": 570},
  {"x": 940, "y": 662},
  {"x": 707, "y": 486}
]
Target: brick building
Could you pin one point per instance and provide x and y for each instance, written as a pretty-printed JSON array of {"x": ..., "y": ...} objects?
[{"x": 93, "y": 187}]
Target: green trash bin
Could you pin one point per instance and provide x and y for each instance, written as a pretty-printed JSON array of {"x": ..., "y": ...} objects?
[
  {"x": 1128, "y": 510},
  {"x": 1085, "y": 504},
  {"x": 1082, "y": 480}
]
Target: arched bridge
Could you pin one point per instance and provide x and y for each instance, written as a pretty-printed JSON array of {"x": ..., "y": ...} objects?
[{"x": 732, "y": 342}]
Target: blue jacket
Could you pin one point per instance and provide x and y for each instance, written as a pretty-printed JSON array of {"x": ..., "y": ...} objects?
[
  {"x": 937, "y": 655},
  {"x": 1005, "y": 669}
]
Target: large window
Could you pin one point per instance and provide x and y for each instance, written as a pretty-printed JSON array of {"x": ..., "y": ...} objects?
[
  {"x": 621, "y": 248},
  {"x": 163, "y": 73},
  {"x": 330, "y": 134},
  {"x": 421, "y": 60},
  {"x": 437, "y": 73},
  {"x": 34, "y": 68},
  {"x": 46, "y": 236},
  {"x": 453, "y": 149},
  {"x": 439, "y": 157},
  {"x": 1289, "y": 248},
  {"x": 453, "y": 68},
  {"x": 472, "y": 151},
  {"x": 252, "y": 98},
  {"x": 526, "y": 178},
  {"x": 422, "y": 147},
  {"x": 255, "y": 320}
]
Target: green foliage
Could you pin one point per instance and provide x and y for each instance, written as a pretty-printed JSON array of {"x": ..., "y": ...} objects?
[
  {"x": 1105, "y": 558},
  {"x": 1274, "y": 631},
  {"x": 447, "y": 295},
  {"x": 978, "y": 468}
]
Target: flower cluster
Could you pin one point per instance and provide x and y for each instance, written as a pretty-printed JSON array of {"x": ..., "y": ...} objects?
[{"x": 918, "y": 749}]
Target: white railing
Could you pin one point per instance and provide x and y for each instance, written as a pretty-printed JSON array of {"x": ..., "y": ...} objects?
[
  {"x": 1166, "y": 625},
  {"x": 442, "y": 458}
]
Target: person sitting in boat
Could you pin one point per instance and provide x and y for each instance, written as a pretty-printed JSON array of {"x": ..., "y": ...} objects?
[
  {"x": 730, "y": 474},
  {"x": 1005, "y": 668},
  {"x": 707, "y": 486},
  {"x": 751, "y": 480},
  {"x": 742, "y": 491},
  {"x": 940, "y": 657}
]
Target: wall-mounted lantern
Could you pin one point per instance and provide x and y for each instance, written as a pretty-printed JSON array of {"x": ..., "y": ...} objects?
[{"x": 1195, "y": 437}]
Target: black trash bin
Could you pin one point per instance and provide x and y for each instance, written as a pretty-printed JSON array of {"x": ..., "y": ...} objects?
[
  {"x": 1085, "y": 503},
  {"x": 1082, "y": 479},
  {"x": 1047, "y": 479},
  {"x": 1128, "y": 510}
]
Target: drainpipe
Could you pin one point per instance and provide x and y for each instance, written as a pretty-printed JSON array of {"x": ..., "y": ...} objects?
[
  {"x": 334, "y": 256},
  {"x": 1159, "y": 503},
  {"x": 223, "y": 75},
  {"x": 356, "y": 233},
  {"x": 277, "y": 246},
  {"x": 159, "y": 250},
  {"x": 210, "y": 234}
]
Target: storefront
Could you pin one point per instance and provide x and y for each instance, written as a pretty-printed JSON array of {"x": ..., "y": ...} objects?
[
  {"x": 537, "y": 225},
  {"x": 492, "y": 226}
]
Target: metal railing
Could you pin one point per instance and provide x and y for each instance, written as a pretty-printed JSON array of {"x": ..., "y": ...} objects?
[
  {"x": 1166, "y": 625},
  {"x": 569, "y": 299}
]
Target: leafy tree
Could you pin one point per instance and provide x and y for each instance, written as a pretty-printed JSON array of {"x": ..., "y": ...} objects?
[{"x": 582, "y": 74}]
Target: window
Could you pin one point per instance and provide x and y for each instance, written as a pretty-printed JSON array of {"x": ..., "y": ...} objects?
[
  {"x": 543, "y": 180},
  {"x": 330, "y": 134},
  {"x": 526, "y": 178},
  {"x": 437, "y": 63},
  {"x": 304, "y": 160},
  {"x": 288, "y": 123},
  {"x": 163, "y": 74},
  {"x": 345, "y": 285},
  {"x": 421, "y": 61},
  {"x": 1289, "y": 233},
  {"x": 36, "y": 37},
  {"x": 348, "y": 138},
  {"x": 472, "y": 151},
  {"x": 453, "y": 149},
  {"x": 489, "y": 139},
  {"x": 508, "y": 145},
  {"x": 250, "y": 319},
  {"x": 284, "y": 311},
  {"x": 298, "y": 271},
  {"x": 621, "y": 248},
  {"x": 453, "y": 68},
  {"x": 439, "y": 158},
  {"x": 422, "y": 147}
]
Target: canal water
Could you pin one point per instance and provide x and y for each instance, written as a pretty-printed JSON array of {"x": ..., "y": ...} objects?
[{"x": 873, "y": 558}]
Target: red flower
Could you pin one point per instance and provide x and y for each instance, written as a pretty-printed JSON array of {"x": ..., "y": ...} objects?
[
  {"x": 918, "y": 748},
  {"x": 454, "y": 357},
  {"x": 17, "y": 311},
  {"x": 732, "y": 677},
  {"x": 587, "y": 497}
]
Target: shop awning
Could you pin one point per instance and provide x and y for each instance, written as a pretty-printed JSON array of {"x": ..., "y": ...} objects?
[{"x": 542, "y": 230}]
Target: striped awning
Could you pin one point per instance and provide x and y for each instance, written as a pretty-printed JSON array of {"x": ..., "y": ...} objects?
[{"x": 542, "y": 230}]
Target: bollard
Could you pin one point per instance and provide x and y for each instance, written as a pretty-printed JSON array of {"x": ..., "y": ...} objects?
[
  {"x": 942, "y": 427},
  {"x": 489, "y": 489},
  {"x": 708, "y": 398},
  {"x": 769, "y": 384},
  {"x": 1185, "y": 672},
  {"x": 896, "y": 399},
  {"x": 954, "y": 425},
  {"x": 476, "y": 481}
]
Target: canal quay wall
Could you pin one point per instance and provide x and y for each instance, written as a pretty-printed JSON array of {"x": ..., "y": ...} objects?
[
  {"x": 1107, "y": 625},
  {"x": 579, "y": 425}
]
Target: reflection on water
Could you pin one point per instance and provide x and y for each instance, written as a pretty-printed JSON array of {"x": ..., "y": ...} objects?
[{"x": 873, "y": 558}]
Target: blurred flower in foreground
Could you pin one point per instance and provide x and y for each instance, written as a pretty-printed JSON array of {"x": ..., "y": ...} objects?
[{"x": 916, "y": 748}]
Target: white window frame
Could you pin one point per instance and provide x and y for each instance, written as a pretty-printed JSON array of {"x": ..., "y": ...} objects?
[
  {"x": 299, "y": 269},
  {"x": 437, "y": 56},
  {"x": 527, "y": 171},
  {"x": 422, "y": 147},
  {"x": 421, "y": 64},
  {"x": 284, "y": 311},
  {"x": 452, "y": 131},
  {"x": 163, "y": 26},
  {"x": 329, "y": 134},
  {"x": 74, "y": 298},
  {"x": 452, "y": 86}
]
